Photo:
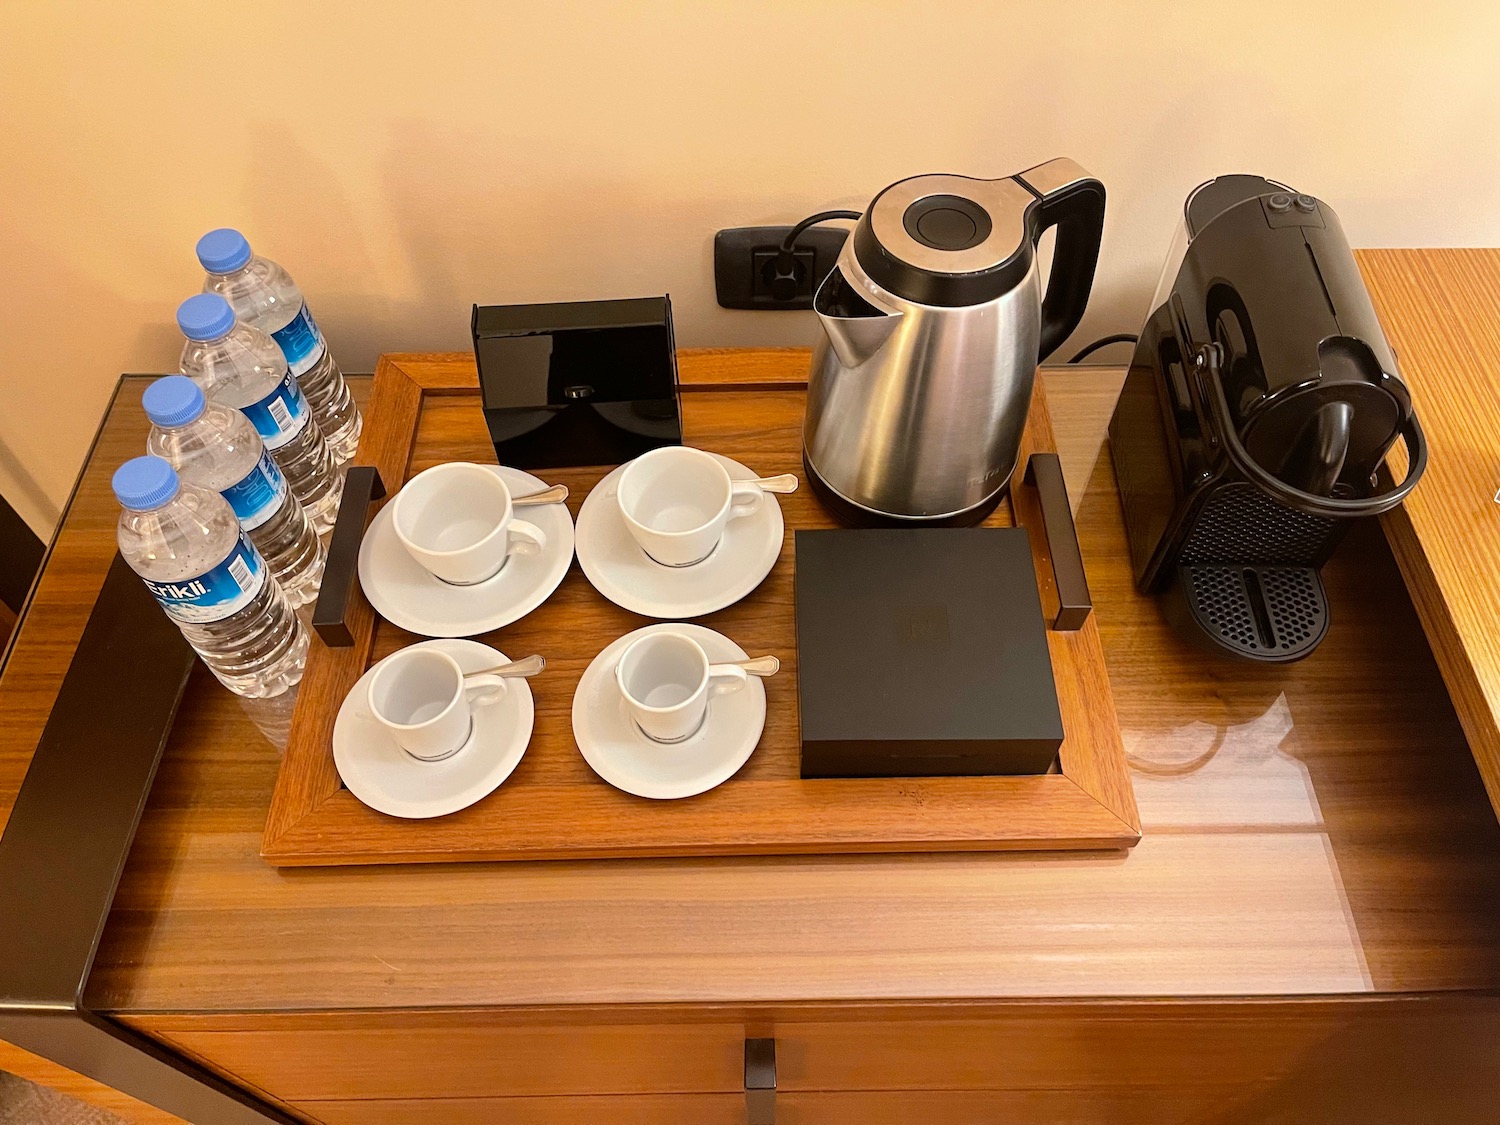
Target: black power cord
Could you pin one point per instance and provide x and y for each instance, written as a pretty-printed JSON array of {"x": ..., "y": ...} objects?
[
  {"x": 783, "y": 273},
  {"x": 811, "y": 221},
  {"x": 1104, "y": 342}
]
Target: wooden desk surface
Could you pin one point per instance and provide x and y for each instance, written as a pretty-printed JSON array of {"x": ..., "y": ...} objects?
[
  {"x": 1441, "y": 309},
  {"x": 1310, "y": 830}
]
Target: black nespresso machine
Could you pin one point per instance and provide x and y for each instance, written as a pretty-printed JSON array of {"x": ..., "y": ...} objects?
[{"x": 1260, "y": 404}]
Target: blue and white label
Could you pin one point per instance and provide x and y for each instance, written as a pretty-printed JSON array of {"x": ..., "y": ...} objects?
[
  {"x": 222, "y": 592},
  {"x": 280, "y": 416},
  {"x": 301, "y": 342},
  {"x": 259, "y": 495}
]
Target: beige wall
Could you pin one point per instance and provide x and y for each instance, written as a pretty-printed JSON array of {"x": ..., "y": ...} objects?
[{"x": 408, "y": 159}]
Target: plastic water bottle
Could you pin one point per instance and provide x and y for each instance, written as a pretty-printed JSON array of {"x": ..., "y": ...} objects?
[
  {"x": 216, "y": 447},
  {"x": 264, "y": 296},
  {"x": 240, "y": 366},
  {"x": 187, "y": 545}
]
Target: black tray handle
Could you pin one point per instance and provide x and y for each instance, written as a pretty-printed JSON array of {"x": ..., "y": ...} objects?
[
  {"x": 1044, "y": 472},
  {"x": 362, "y": 487}
]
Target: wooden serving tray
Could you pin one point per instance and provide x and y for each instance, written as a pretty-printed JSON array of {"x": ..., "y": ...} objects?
[{"x": 747, "y": 404}]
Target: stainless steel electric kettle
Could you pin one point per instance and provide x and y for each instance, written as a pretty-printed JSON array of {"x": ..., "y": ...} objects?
[{"x": 933, "y": 323}]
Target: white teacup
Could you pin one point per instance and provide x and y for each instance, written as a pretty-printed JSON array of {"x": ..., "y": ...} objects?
[
  {"x": 458, "y": 521},
  {"x": 676, "y": 502},
  {"x": 666, "y": 681},
  {"x": 421, "y": 697}
]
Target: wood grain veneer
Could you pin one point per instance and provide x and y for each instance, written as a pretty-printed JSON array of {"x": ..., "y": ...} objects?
[
  {"x": 7, "y": 626},
  {"x": 425, "y": 411},
  {"x": 1441, "y": 310},
  {"x": 629, "y": 1109},
  {"x": 44, "y": 1072},
  {"x": 1225, "y": 1104},
  {"x": 1124, "y": 1106},
  {"x": 1359, "y": 1061}
]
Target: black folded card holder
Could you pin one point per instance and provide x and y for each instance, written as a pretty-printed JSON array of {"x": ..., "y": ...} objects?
[
  {"x": 579, "y": 382},
  {"x": 922, "y": 652}
]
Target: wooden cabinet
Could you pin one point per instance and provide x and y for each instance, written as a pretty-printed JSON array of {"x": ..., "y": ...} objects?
[
  {"x": 1120, "y": 1106},
  {"x": 603, "y": 1109},
  {"x": 1309, "y": 930},
  {"x": 1222, "y": 1061}
]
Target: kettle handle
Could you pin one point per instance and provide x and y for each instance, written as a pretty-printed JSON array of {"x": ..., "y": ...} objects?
[{"x": 1072, "y": 201}]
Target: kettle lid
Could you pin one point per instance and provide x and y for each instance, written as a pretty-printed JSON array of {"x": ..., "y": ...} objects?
[{"x": 955, "y": 240}]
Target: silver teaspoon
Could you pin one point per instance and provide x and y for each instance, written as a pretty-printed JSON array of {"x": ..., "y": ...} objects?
[
  {"x": 756, "y": 666},
  {"x": 786, "y": 482},
  {"x": 554, "y": 495},
  {"x": 524, "y": 668}
]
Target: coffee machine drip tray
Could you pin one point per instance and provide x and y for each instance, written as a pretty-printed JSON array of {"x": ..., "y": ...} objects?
[{"x": 1265, "y": 613}]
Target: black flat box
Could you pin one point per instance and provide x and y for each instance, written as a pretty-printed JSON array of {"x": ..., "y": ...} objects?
[
  {"x": 577, "y": 383},
  {"x": 922, "y": 653}
]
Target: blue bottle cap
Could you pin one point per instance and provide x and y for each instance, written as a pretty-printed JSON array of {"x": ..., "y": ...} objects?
[
  {"x": 223, "y": 251},
  {"x": 173, "y": 401},
  {"x": 205, "y": 317},
  {"x": 143, "y": 483}
]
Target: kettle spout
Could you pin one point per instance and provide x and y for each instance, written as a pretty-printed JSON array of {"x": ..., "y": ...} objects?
[
  {"x": 856, "y": 329},
  {"x": 856, "y": 339}
]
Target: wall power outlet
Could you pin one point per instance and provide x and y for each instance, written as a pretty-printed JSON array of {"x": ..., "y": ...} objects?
[{"x": 748, "y": 274}]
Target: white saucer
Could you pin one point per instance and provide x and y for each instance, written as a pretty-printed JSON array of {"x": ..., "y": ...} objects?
[
  {"x": 412, "y": 599},
  {"x": 390, "y": 780},
  {"x": 619, "y": 753},
  {"x": 627, "y": 576}
]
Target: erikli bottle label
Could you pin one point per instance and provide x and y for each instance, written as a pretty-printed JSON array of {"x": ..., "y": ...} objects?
[{"x": 222, "y": 592}]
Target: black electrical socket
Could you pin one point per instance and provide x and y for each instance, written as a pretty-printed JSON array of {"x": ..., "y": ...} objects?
[
  {"x": 748, "y": 273},
  {"x": 783, "y": 277}
]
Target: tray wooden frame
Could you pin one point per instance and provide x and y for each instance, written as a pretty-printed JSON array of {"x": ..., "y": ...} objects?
[{"x": 745, "y": 403}]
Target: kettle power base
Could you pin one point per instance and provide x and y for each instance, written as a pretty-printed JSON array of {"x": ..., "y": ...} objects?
[
  {"x": 850, "y": 514},
  {"x": 1270, "y": 614}
]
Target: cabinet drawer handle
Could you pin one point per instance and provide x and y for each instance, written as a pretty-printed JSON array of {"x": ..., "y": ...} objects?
[{"x": 760, "y": 1082}]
